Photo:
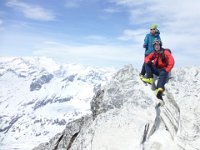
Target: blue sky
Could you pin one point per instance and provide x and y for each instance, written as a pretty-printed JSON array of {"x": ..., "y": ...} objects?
[{"x": 103, "y": 33}]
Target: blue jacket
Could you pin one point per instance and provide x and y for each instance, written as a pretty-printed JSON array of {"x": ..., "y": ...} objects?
[{"x": 148, "y": 41}]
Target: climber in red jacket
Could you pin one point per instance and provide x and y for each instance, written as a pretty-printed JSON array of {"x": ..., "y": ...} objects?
[{"x": 160, "y": 62}]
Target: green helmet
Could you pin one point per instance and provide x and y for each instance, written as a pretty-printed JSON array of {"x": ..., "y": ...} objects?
[{"x": 154, "y": 26}]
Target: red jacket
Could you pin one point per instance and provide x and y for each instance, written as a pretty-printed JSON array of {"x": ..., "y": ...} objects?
[{"x": 157, "y": 57}]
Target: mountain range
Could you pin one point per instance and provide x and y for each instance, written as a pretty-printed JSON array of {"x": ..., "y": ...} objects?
[
  {"x": 38, "y": 97},
  {"x": 48, "y": 106}
]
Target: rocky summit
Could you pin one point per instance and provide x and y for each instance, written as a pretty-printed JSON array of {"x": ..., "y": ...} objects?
[{"x": 126, "y": 116}]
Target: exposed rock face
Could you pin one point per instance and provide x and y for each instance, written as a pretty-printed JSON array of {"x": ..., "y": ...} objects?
[
  {"x": 65, "y": 139},
  {"x": 37, "y": 83},
  {"x": 117, "y": 92},
  {"x": 125, "y": 115}
]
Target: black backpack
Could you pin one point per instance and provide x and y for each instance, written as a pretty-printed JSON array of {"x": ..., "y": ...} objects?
[{"x": 163, "y": 55}]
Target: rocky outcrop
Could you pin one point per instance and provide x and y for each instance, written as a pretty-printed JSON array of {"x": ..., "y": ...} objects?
[
  {"x": 65, "y": 139},
  {"x": 11, "y": 122},
  {"x": 37, "y": 83},
  {"x": 54, "y": 99}
]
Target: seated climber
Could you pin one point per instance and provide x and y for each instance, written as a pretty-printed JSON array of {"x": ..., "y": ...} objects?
[{"x": 160, "y": 62}]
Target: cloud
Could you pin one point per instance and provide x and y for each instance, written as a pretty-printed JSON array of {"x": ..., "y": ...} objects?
[
  {"x": 111, "y": 10},
  {"x": 128, "y": 3},
  {"x": 1, "y": 22},
  {"x": 1, "y": 25},
  {"x": 102, "y": 55},
  {"x": 1, "y": 16},
  {"x": 32, "y": 11},
  {"x": 135, "y": 35},
  {"x": 166, "y": 13},
  {"x": 71, "y": 4},
  {"x": 96, "y": 38}
]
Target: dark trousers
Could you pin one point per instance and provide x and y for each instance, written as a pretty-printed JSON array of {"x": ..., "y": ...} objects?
[
  {"x": 161, "y": 73},
  {"x": 143, "y": 71}
]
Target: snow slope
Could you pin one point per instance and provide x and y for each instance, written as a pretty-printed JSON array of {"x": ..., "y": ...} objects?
[
  {"x": 125, "y": 116},
  {"x": 38, "y": 97}
]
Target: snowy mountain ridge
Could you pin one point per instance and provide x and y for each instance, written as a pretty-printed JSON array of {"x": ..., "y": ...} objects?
[
  {"x": 38, "y": 97},
  {"x": 125, "y": 116}
]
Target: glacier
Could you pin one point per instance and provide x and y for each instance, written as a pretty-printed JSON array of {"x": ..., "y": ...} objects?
[{"x": 125, "y": 115}]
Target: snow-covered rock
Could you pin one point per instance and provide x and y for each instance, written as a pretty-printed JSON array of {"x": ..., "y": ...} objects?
[
  {"x": 125, "y": 116},
  {"x": 38, "y": 97}
]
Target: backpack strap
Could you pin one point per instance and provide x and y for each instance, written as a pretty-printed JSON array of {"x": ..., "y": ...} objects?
[{"x": 167, "y": 49}]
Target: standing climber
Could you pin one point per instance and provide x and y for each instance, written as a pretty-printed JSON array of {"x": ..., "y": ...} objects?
[{"x": 148, "y": 44}]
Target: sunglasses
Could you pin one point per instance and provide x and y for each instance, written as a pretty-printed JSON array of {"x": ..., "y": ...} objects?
[{"x": 152, "y": 29}]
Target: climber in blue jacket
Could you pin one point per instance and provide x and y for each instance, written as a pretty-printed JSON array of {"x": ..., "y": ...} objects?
[{"x": 148, "y": 44}]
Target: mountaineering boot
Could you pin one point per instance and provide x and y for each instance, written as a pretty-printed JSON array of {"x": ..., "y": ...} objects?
[
  {"x": 141, "y": 76},
  {"x": 159, "y": 90},
  {"x": 147, "y": 80},
  {"x": 159, "y": 93}
]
